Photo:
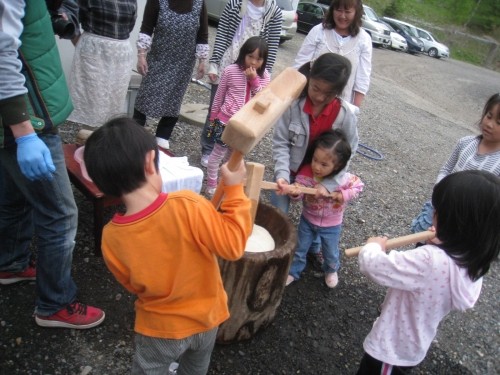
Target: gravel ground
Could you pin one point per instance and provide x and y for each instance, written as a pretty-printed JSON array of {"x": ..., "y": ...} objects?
[{"x": 416, "y": 110}]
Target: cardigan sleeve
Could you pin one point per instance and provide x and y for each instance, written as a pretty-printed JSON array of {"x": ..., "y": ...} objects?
[
  {"x": 363, "y": 72},
  {"x": 151, "y": 11}
]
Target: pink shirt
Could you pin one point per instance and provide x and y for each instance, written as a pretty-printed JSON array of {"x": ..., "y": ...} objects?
[
  {"x": 232, "y": 91},
  {"x": 325, "y": 212}
]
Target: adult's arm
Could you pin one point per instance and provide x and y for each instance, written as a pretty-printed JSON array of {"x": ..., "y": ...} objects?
[
  {"x": 363, "y": 72},
  {"x": 309, "y": 46},
  {"x": 274, "y": 33},
  {"x": 33, "y": 156}
]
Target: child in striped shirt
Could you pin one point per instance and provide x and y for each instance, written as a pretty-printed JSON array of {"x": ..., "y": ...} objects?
[
  {"x": 239, "y": 82},
  {"x": 481, "y": 152}
]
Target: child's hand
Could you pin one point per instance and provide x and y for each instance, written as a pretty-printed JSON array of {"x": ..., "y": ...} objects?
[
  {"x": 250, "y": 73},
  {"x": 200, "y": 72},
  {"x": 233, "y": 177},
  {"x": 380, "y": 240},
  {"x": 212, "y": 77},
  {"x": 337, "y": 197},
  {"x": 321, "y": 191},
  {"x": 293, "y": 190}
]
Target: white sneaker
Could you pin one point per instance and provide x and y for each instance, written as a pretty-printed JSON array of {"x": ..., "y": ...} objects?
[
  {"x": 172, "y": 369},
  {"x": 289, "y": 279},
  {"x": 331, "y": 280},
  {"x": 163, "y": 143},
  {"x": 210, "y": 191},
  {"x": 204, "y": 160}
]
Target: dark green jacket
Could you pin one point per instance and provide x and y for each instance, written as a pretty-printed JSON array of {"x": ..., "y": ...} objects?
[{"x": 48, "y": 100}]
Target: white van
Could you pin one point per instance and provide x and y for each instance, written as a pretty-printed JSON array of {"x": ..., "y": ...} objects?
[{"x": 379, "y": 32}]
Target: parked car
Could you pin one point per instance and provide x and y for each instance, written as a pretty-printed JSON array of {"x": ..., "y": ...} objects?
[
  {"x": 397, "y": 42},
  {"x": 309, "y": 14},
  {"x": 432, "y": 46},
  {"x": 379, "y": 32},
  {"x": 289, "y": 27},
  {"x": 409, "y": 32}
]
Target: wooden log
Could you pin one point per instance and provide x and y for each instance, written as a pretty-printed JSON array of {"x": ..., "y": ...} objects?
[{"x": 255, "y": 283}]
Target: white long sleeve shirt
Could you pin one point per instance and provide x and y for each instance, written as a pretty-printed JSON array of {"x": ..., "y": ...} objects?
[
  {"x": 358, "y": 50},
  {"x": 425, "y": 284}
]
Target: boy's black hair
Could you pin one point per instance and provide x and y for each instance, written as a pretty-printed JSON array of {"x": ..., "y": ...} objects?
[
  {"x": 335, "y": 141},
  {"x": 115, "y": 154},
  {"x": 467, "y": 209},
  {"x": 355, "y": 26},
  {"x": 250, "y": 45},
  {"x": 493, "y": 101},
  {"x": 329, "y": 67}
]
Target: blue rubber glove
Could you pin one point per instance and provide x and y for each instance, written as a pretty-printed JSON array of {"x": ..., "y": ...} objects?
[{"x": 33, "y": 157}]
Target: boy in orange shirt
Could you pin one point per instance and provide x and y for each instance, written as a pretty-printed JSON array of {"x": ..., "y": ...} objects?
[{"x": 164, "y": 248}]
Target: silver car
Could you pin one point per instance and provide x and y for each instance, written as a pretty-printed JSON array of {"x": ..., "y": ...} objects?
[
  {"x": 432, "y": 46},
  {"x": 288, "y": 29}
]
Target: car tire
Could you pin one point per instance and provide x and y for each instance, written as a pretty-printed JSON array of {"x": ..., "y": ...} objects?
[{"x": 433, "y": 52}]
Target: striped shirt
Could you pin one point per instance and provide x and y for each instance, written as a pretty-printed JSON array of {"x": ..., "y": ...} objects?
[
  {"x": 230, "y": 20},
  {"x": 112, "y": 19},
  {"x": 465, "y": 156},
  {"x": 232, "y": 92}
]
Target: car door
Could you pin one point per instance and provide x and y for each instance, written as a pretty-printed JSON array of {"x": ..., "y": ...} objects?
[
  {"x": 425, "y": 38},
  {"x": 309, "y": 15}
]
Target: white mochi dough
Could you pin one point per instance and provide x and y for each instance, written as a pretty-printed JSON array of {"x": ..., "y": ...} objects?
[{"x": 259, "y": 241}]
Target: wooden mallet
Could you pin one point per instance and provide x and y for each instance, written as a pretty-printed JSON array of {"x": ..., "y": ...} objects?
[
  {"x": 249, "y": 125},
  {"x": 394, "y": 243}
]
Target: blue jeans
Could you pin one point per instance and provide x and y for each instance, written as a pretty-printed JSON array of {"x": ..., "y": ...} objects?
[
  {"x": 207, "y": 144},
  {"x": 329, "y": 238},
  {"x": 282, "y": 202},
  {"x": 44, "y": 208},
  {"x": 424, "y": 219}
]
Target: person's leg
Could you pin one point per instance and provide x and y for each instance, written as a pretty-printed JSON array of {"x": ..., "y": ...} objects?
[
  {"x": 207, "y": 143},
  {"x": 305, "y": 235},
  {"x": 139, "y": 117},
  {"x": 16, "y": 224},
  {"x": 196, "y": 359},
  {"x": 214, "y": 161},
  {"x": 153, "y": 355},
  {"x": 424, "y": 219},
  {"x": 330, "y": 237},
  {"x": 165, "y": 127},
  {"x": 55, "y": 219},
  {"x": 370, "y": 366}
]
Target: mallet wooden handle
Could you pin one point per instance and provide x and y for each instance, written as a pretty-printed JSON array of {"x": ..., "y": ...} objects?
[
  {"x": 268, "y": 185},
  {"x": 397, "y": 242},
  {"x": 232, "y": 165}
]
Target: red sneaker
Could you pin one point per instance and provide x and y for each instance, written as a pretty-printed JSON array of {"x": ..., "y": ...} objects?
[
  {"x": 7, "y": 278},
  {"x": 76, "y": 315}
]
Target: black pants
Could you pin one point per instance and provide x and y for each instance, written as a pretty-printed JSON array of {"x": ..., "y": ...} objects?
[
  {"x": 371, "y": 366},
  {"x": 164, "y": 128}
]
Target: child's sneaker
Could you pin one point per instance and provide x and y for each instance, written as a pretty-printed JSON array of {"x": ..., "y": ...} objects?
[
  {"x": 289, "y": 279},
  {"x": 331, "y": 280},
  {"x": 76, "y": 315},
  {"x": 172, "y": 369},
  {"x": 210, "y": 191},
  {"x": 28, "y": 274},
  {"x": 204, "y": 160}
]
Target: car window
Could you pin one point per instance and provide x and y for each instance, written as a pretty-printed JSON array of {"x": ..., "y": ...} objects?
[
  {"x": 423, "y": 34},
  {"x": 301, "y": 7},
  {"x": 284, "y": 4},
  {"x": 370, "y": 14},
  {"x": 318, "y": 11}
]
